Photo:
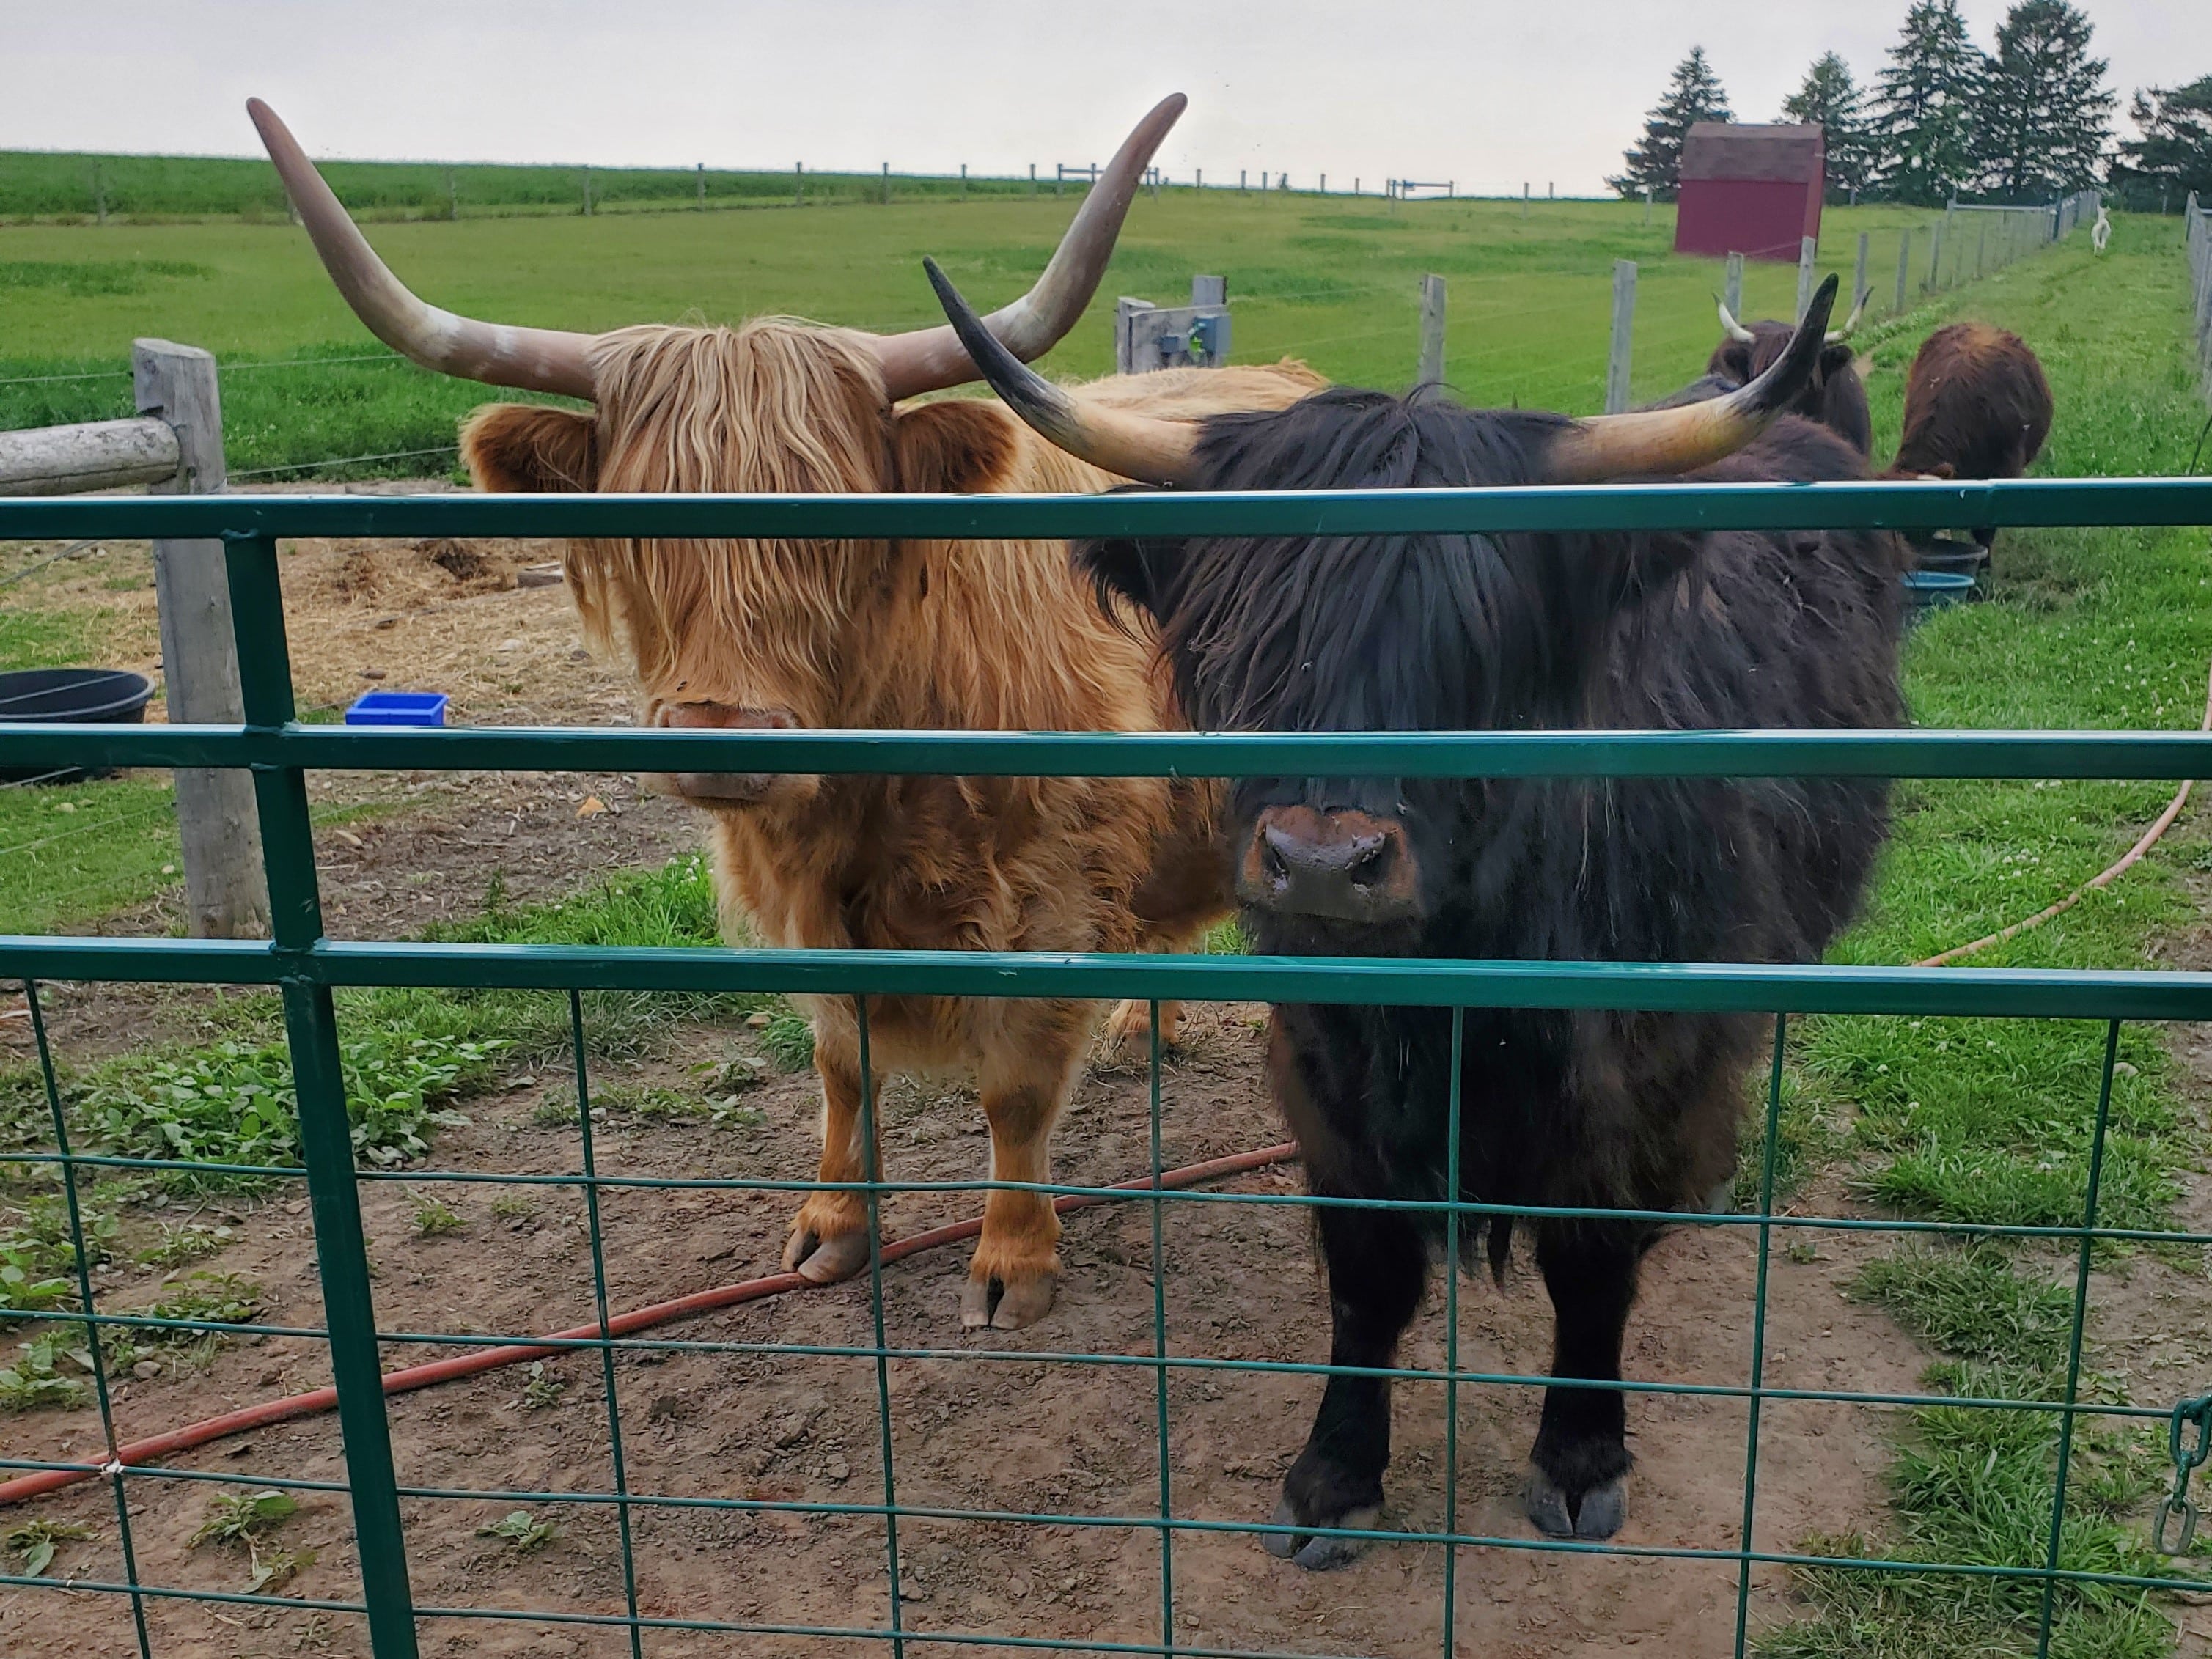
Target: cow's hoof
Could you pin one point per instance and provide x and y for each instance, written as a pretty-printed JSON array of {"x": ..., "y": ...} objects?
[
  {"x": 825, "y": 1260},
  {"x": 1318, "y": 1554},
  {"x": 1596, "y": 1513},
  {"x": 994, "y": 1304}
]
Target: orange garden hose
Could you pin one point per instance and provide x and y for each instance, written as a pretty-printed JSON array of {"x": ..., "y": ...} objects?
[{"x": 475, "y": 1363}]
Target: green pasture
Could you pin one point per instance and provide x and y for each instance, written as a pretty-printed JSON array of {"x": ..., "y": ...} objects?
[{"x": 1334, "y": 280}]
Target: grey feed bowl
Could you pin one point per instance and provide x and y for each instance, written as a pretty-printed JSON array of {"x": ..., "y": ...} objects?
[{"x": 70, "y": 696}]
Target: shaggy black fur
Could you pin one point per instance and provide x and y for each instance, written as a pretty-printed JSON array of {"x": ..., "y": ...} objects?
[{"x": 1431, "y": 632}]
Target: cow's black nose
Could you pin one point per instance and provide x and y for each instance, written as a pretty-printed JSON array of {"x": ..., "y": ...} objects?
[{"x": 1348, "y": 865}]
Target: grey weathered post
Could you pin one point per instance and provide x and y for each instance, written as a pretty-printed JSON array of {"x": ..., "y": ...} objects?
[
  {"x": 1903, "y": 264},
  {"x": 1324, "y": 184},
  {"x": 1033, "y": 178},
  {"x": 1808, "y": 254},
  {"x": 1934, "y": 253},
  {"x": 1732, "y": 285},
  {"x": 700, "y": 173},
  {"x": 799, "y": 184},
  {"x": 1624, "y": 324},
  {"x": 453, "y": 196},
  {"x": 963, "y": 181},
  {"x": 1198, "y": 179},
  {"x": 1647, "y": 205},
  {"x": 1859, "y": 270},
  {"x": 1430, "y": 371},
  {"x": 1524, "y": 199},
  {"x": 225, "y": 891}
]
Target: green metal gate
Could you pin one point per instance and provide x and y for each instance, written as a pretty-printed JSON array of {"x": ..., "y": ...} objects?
[{"x": 306, "y": 966}]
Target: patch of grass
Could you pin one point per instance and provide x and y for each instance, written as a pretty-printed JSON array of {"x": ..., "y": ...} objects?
[
  {"x": 32, "y": 638},
  {"x": 245, "y": 1519},
  {"x": 1969, "y": 1302},
  {"x": 73, "y": 851},
  {"x": 191, "y": 1242},
  {"x": 202, "y": 1298},
  {"x": 789, "y": 1040},
  {"x": 434, "y": 1217},
  {"x": 36, "y": 1380},
  {"x": 542, "y": 1389},
  {"x": 33, "y": 1543},
  {"x": 520, "y": 1531},
  {"x": 234, "y": 1103}
]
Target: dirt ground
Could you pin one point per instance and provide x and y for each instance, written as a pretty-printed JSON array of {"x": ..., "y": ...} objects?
[{"x": 1011, "y": 1432}]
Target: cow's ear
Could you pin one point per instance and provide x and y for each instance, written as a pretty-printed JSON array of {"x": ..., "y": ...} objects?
[
  {"x": 1835, "y": 362},
  {"x": 960, "y": 447},
  {"x": 527, "y": 448}
]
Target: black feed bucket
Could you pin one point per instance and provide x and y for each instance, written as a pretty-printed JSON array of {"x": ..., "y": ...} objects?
[{"x": 72, "y": 697}]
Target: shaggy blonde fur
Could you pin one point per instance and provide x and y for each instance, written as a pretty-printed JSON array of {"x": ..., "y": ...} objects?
[{"x": 975, "y": 635}]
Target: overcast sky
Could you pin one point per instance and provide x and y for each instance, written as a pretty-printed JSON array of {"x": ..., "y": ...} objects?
[{"x": 1487, "y": 93}]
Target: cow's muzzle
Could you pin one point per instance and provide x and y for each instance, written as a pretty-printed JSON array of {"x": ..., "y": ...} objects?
[
  {"x": 723, "y": 788},
  {"x": 1344, "y": 865}
]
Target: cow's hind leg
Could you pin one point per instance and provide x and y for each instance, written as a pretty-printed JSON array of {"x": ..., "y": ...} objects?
[
  {"x": 1015, "y": 1274},
  {"x": 1378, "y": 1262},
  {"x": 1129, "y": 1032},
  {"x": 1577, "y": 1477},
  {"x": 829, "y": 1235}
]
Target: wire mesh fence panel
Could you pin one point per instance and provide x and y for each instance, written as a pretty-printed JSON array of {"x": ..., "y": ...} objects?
[{"x": 525, "y": 1429}]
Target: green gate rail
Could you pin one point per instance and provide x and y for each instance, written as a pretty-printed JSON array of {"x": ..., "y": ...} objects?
[{"x": 306, "y": 966}]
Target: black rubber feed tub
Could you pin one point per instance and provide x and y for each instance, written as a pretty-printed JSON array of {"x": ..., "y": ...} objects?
[{"x": 70, "y": 696}]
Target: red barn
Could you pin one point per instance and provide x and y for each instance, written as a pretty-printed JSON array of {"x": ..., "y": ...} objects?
[{"x": 1750, "y": 190}]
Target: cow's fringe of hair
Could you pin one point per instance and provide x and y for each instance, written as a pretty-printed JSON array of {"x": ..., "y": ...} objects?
[{"x": 775, "y": 405}]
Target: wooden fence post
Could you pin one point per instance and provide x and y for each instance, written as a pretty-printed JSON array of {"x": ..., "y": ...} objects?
[
  {"x": 799, "y": 184},
  {"x": 1732, "y": 285},
  {"x": 1808, "y": 254},
  {"x": 963, "y": 181},
  {"x": 1624, "y": 324},
  {"x": 1859, "y": 271},
  {"x": 701, "y": 176},
  {"x": 1904, "y": 265},
  {"x": 1033, "y": 178},
  {"x": 1935, "y": 254},
  {"x": 1524, "y": 199},
  {"x": 1430, "y": 370},
  {"x": 453, "y": 196},
  {"x": 226, "y": 892}
]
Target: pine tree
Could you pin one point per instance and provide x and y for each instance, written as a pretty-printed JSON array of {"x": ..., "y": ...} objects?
[
  {"x": 1830, "y": 99},
  {"x": 1923, "y": 120},
  {"x": 2046, "y": 114},
  {"x": 2171, "y": 154},
  {"x": 1693, "y": 94}
]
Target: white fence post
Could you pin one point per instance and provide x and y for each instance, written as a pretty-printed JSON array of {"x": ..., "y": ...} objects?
[
  {"x": 1624, "y": 324},
  {"x": 1808, "y": 254},
  {"x": 1935, "y": 253},
  {"x": 1732, "y": 285},
  {"x": 226, "y": 893},
  {"x": 1430, "y": 370}
]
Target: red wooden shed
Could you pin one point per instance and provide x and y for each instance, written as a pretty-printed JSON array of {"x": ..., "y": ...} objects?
[{"x": 1750, "y": 190}]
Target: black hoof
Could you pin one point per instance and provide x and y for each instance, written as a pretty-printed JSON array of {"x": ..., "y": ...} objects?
[
  {"x": 1317, "y": 1554},
  {"x": 1596, "y": 1513}
]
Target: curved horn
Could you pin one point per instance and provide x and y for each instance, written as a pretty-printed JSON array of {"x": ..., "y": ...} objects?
[
  {"x": 1665, "y": 441},
  {"x": 534, "y": 359},
  {"x": 932, "y": 358},
  {"x": 1113, "y": 439},
  {"x": 1837, "y": 335},
  {"x": 1735, "y": 330}
]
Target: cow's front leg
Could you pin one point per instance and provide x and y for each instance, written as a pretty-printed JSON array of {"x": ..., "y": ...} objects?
[
  {"x": 1015, "y": 1274},
  {"x": 1577, "y": 1476},
  {"x": 829, "y": 1235},
  {"x": 1378, "y": 1263}
]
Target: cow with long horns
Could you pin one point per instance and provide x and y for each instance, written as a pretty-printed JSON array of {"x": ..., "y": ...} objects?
[
  {"x": 738, "y": 634},
  {"x": 1835, "y": 396},
  {"x": 1419, "y": 632}
]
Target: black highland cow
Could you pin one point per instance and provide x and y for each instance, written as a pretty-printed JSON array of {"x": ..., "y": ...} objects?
[{"x": 1474, "y": 632}]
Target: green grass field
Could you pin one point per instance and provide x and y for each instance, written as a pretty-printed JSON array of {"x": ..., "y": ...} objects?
[{"x": 1334, "y": 280}]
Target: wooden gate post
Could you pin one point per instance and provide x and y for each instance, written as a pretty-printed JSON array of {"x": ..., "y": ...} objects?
[
  {"x": 226, "y": 892},
  {"x": 1430, "y": 371},
  {"x": 1732, "y": 285},
  {"x": 1904, "y": 265},
  {"x": 1808, "y": 254},
  {"x": 1624, "y": 326}
]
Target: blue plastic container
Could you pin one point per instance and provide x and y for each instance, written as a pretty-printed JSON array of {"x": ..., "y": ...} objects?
[
  {"x": 398, "y": 708},
  {"x": 1928, "y": 589}
]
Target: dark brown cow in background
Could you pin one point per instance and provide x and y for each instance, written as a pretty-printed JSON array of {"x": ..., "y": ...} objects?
[
  {"x": 1835, "y": 397},
  {"x": 1977, "y": 406}
]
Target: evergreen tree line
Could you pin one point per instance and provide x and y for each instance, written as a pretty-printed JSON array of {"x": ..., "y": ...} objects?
[{"x": 2027, "y": 122}]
